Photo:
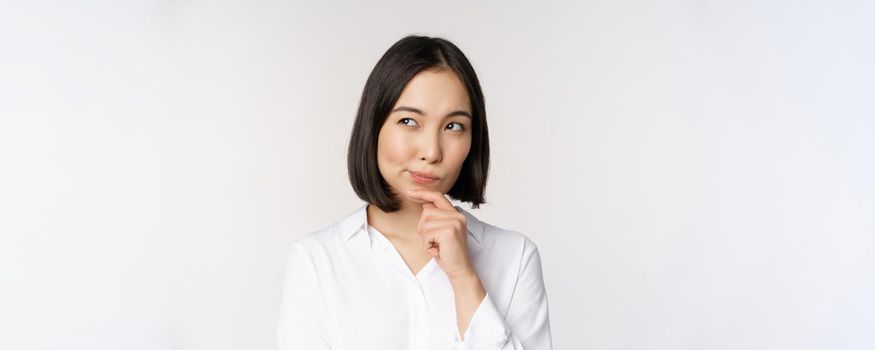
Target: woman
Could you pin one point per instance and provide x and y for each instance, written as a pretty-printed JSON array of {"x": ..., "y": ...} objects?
[{"x": 408, "y": 269}]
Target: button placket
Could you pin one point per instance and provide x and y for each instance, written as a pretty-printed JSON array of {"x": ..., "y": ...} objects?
[
  {"x": 417, "y": 302},
  {"x": 419, "y": 315}
]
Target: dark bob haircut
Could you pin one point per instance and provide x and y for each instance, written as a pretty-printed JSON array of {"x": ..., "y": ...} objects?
[{"x": 407, "y": 57}]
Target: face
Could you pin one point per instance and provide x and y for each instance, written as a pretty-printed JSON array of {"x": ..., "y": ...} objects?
[{"x": 427, "y": 133}]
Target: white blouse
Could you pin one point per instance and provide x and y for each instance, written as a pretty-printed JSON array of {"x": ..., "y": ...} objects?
[{"x": 347, "y": 287}]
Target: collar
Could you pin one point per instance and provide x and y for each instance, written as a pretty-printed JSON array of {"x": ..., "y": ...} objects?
[{"x": 355, "y": 221}]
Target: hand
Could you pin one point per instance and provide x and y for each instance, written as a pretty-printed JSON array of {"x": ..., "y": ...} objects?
[{"x": 445, "y": 233}]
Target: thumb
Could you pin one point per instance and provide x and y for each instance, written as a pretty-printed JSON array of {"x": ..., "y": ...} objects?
[{"x": 434, "y": 252}]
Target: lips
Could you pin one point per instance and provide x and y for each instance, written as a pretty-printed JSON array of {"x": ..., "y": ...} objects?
[
  {"x": 422, "y": 175},
  {"x": 425, "y": 179}
]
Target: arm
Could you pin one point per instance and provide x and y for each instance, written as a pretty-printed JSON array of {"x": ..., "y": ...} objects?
[
  {"x": 469, "y": 294},
  {"x": 302, "y": 322},
  {"x": 527, "y": 325}
]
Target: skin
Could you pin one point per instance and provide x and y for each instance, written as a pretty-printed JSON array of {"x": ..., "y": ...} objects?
[{"x": 435, "y": 141}]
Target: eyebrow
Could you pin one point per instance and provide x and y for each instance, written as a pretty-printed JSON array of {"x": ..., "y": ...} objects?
[{"x": 418, "y": 111}]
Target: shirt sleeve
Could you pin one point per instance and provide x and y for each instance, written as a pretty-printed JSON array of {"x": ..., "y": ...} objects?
[
  {"x": 527, "y": 326},
  {"x": 302, "y": 322}
]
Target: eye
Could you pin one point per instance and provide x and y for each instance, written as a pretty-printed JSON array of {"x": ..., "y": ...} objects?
[
  {"x": 461, "y": 127},
  {"x": 403, "y": 119}
]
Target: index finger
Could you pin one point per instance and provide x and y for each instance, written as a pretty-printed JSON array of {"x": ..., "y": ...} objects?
[{"x": 435, "y": 197}]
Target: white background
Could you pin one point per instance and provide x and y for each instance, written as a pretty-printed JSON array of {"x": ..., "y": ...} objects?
[{"x": 696, "y": 174}]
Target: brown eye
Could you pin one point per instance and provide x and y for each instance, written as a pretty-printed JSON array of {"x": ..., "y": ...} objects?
[
  {"x": 403, "y": 119},
  {"x": 461, "y": 127}
]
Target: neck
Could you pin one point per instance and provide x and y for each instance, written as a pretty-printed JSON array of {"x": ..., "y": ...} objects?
[{"x": 401, "y": 223}]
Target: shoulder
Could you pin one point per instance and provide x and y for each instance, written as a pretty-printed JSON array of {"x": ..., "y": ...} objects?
[
  {"x": 489, "y": 233},
  {"x": 507, "y": 262},
  {"x": 329, "y": 237},
  {"x": 499, "y": 240},
  {"x": 496, "y": 235}
]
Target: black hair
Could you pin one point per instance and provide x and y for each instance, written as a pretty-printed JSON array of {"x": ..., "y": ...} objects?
[{"x": 403, "y": 60}]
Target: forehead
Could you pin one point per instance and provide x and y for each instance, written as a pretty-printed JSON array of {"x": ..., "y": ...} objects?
[{"x": 435, "y": 91}]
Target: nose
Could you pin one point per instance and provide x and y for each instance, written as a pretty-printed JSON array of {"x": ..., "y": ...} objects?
[{"x": 430, "y": 148}]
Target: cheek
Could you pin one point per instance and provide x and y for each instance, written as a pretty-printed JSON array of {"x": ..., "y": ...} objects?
[
  {"x": 460, "y": 151},
  {"x": 455, "y": 157},
  {"x": 393, "y": 148}
]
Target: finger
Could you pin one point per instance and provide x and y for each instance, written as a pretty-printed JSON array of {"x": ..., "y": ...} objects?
[
  {"x": 436, "y": 235},
  {"x": 430, "y": 241},
  {"x": 430, "y": 214},
  {"x": 431, "y": 245},
  {"x": 441, "y": 229},
  {"x": 429, "y": 211},
  {"x": 429, "y": 229},
  {"x": 423, "y": 218},
  {"x": 434, "y": 197},
  {"x": 435, "y": 252}
]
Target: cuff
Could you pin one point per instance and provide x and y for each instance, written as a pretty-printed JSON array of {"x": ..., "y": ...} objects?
[{"x": 486, "y": 329}]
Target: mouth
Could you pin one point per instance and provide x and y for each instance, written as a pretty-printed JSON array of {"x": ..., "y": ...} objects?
[{"x": 422, "y": 178}]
